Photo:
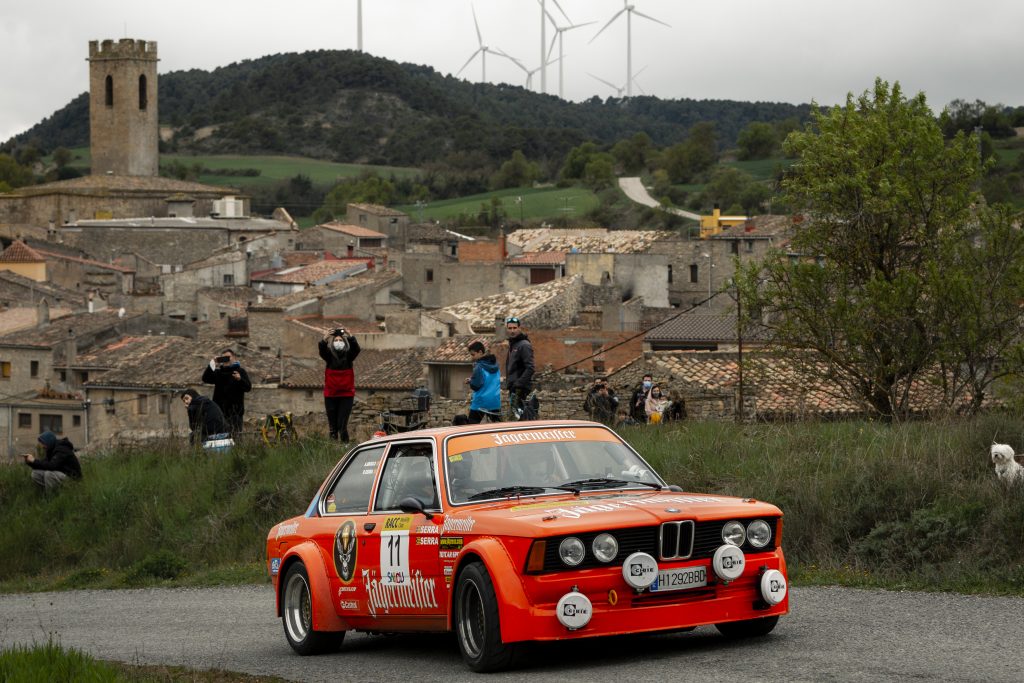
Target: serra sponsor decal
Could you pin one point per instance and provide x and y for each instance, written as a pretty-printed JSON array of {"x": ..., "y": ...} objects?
[
  {"x": 426, "y": 540},
  {"x": 416, "y": 593}
]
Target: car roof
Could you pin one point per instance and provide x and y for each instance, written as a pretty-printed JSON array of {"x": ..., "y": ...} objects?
[{"x": 441, "y": 432}]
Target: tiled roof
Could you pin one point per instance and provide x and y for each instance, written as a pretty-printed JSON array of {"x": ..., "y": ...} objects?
[
  {"x": 758, "y": 226},
  {"x": 483, "y": 312},
  {"x": 429, "y": 232},
  {"x": 122, "y": 183},
  {"x": 353, "y": 230},
  {"x": 313, "y": 273},
  {"x": 351, "y": 324},
  {"x": 126, "y": 350},
  {"x": 182, "y": 364},
  {"x": 403, "y": 370},
  {"x": 19, "y": 252},
  {"x": 693, "y": 327},
  {"x": 20, "y": 318},
  {"x": 537, "y": 258},
  {"x": 378, "y": 210},
  {"x": 84, "y": 261},
  {"x": 587, "y": 240},
  {"x": 782, "y": 388},
  {"x": 188, "y": 223},
  {"x": 12, "y": 284},
  {"x": 375, "y": 279},
  {"x": 57, "y": 330},
  {"x": 235, "y": 297},
  {"x": 453, "y": 349}
]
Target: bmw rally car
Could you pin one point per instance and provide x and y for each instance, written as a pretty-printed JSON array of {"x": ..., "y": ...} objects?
[{"x": 516, "y": 532}]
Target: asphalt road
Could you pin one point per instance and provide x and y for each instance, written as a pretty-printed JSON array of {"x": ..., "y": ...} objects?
[{"x": 832, "y": 634}]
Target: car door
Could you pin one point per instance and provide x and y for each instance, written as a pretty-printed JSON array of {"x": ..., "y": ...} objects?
[
  {"x": 344, "y": 513},
  {"x": 405, "y": 583}
]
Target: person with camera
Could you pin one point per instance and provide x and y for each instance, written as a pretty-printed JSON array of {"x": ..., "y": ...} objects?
[
  {"x": 339, "y": 349},
  {"x": 230, "y": 383},
  {"x": 205, "y": 419},
  {"x": 56, "y": 463}
]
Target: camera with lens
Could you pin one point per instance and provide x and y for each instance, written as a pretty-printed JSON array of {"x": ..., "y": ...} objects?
[
  {"x": 220, "y": 360},
  {"x": 338, "y": 332}
]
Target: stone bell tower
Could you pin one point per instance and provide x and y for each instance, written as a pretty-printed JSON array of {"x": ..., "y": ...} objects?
[{"x": 123, "y": 128}]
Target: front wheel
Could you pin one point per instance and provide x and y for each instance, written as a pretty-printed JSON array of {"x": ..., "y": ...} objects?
[
  {"x": 477, "y": 625},
  {"x": 751, "y": 628},
  {"x": 297, "y": 615}
]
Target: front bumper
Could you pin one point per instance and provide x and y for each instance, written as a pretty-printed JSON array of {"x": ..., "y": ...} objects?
[{"x": 619, "y": 609}]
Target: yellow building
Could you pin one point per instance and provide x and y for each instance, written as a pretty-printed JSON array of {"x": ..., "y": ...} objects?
[
  {"x": 713, "y": 224},
  {"x": 24, "y": 260}
]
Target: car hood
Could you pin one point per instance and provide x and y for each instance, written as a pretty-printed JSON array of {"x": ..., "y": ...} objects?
[{"x": 552, "y": 515}]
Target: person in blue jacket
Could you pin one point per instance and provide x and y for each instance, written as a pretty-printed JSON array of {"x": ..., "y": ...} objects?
[{"x": 486, "y": 385}]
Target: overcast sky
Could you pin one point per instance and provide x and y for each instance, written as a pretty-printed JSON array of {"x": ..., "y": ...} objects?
[{"x": 752, "y": 50}]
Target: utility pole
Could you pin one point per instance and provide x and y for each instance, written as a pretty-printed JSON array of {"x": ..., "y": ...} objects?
[{"x": 739, "y": 352}]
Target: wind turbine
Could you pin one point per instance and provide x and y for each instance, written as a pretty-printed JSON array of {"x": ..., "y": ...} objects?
[
  {"x": 529, "y": 72},
  {"x": 482, "y": 51},
  {"x": 617, "y": 88},
  {"x": 544, "y": 41},
  {"x": 629, "y": 11},
  {"x": 559, "y": 30}
]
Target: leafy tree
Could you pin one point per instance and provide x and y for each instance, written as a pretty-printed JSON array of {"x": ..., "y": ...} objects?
[
  {"x": 695, "y": 155},
  {"x": 631, "y": 154},
  {"x": 516, "y": 172},
  {"x": 13, "y": 174},
  {"x": 599, "y": 172},
  {"x": 576, "y": 161},
  {"x": 885, "y": 204},
  {"x": 367, "y": 188},
  {"x": 757, "y": 141},
  {"x": 960, "y": 115},
  {"x": 62, "y": 157}
]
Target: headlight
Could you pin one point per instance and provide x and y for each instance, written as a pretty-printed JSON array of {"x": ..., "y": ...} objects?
[
  {"x": 605, "y": 547},
  {"x": 733, "y": 533},
  {"x": 571, "y": 551},
  {"x": 759, "y": 533}
]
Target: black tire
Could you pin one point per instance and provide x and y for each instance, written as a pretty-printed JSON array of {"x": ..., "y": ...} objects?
[
  {"x": 477, "y": 625},
  {"x": 751, "y": 628},
  {"x": 297, "y": 616}
]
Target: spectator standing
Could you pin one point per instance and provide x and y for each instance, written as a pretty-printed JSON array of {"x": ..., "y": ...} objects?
[
  {"x": 205, "y": 418},
  {"x": 656, "y": 404},
  {"x": 601, "y": 407},
  {"x": 519, "y": 369},
  {"x": 637, "y": 403},
  {"x": 486, "y": 385},
  {"x": 339, "y": 349},
  {"x": 56, "y": 462},
  {"x": 230, "y": 384}
]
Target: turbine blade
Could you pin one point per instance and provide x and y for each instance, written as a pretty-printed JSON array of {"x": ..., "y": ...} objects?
[
  {"x": 502, "y": 53},
  {"x": 645, "y": 16},
  {"x": 562, "y": 11},
  {"x": 614, "y": 17},
  {"x": 479, "y": 38},
  {"x": 548, "y": 14},
  {"x": 471, "y": 58},
  {"x": 610, "y": 85},
  {"x": 572, "y": 26},
  {"x": 552, "y": 48},
  {"x": 641, "y": 70}
]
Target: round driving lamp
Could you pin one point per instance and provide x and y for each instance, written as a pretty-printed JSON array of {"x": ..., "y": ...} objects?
[
  {"x": 733, "y": 533},
  {"x": 605, "y": 547},
  {"x": 759, "y": 533},
  {"x": 571, "y": 551}
]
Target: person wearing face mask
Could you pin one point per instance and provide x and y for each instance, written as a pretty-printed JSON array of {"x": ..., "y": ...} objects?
[
  {"x": 637, "y": 407},
  {"x": 339, "y": 349},
  {"x": 655, "y": 404}
]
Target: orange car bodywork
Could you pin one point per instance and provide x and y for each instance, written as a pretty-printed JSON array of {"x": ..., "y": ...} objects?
[{"x": 500, "y": 534}]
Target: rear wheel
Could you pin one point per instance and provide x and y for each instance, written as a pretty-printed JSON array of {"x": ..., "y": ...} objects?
[
  {"x": 477, "y": 624},
  {"x": 751, "y": 628},
  {"x": 297, "y": 615}
]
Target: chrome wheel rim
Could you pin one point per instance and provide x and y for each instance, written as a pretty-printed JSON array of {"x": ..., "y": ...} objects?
[
  {"x": 298, "y": 608},
  {"x": 472, "y": 625}
]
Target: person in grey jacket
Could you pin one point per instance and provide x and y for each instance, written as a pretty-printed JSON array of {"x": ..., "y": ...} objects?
[{"x": 57, "y": 462}]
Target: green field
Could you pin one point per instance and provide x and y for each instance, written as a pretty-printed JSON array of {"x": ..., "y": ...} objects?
[
  {"x": 535, "y": 203},
  {"x": 761, "y": 169}
]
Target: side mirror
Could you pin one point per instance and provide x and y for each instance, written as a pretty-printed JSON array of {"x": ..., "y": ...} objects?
[
  {"x": 411, "y": 504},
  {"x": 676, "y": 488}
]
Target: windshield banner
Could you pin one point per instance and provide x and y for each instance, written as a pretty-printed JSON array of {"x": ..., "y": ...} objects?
[{"x": 473, "y": 442}]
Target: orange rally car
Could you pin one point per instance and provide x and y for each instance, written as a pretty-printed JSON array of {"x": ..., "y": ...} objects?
[{"x": 518, "y": 532}]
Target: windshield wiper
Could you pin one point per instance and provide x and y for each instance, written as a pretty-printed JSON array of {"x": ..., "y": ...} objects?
[
  {"x": 601, "y": 482},
  {"x": 519, "y": 490}
]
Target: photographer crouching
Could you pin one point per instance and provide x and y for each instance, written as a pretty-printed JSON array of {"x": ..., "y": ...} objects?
[
  {"x": 339, "y": 349},
  {"x": 230, "y": 383}
]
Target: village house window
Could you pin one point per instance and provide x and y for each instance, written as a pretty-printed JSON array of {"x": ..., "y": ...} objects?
[
  {"x": 5, "y": 369},
  {"x": 51, "y": 423},
  {"x": 141, "y": 404},
  {"x": 734, "y": 246},
  {"x": 62, "y": 375},
  {"x": 749, "y": 245},
  {"x": 143, "y": 99},
  {"x": 694, "y": 273},
  {"x": 430, "y": 274},
  {"x": 109, "y": 91},
  {"x": 33, "y": 368},
  {"x": 229, "y": 279},
  {"x": 670, "y": 273},
  {"x": 76, "y": 420},
  {"x": 24, "y": 420},
  {"x": 161, "y": 404}
]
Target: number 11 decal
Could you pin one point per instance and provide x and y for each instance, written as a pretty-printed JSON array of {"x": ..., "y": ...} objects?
[{"x": 394, "y": 551}]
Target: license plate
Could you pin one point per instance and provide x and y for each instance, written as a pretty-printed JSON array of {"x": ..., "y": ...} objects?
[{"x": 680, "y": 579}]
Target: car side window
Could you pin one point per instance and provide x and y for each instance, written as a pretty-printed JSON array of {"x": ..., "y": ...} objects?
[
  {"x": 351, "y": 492},
  {"x": 408, "y": 471}
]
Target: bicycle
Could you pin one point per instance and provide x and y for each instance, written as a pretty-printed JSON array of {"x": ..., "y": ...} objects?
[{"x": 278, "y": 428}]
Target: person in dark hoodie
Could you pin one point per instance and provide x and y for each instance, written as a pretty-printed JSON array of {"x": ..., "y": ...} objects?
[
  {"x": 205, "y": 418},
  {"x": 339, "y": 349},
  {"x": 230, "y": 383},
  {"x": 519, "y": 370},
  {"x": 56, "y": 462},
  {"x": 486, "y": 385}
]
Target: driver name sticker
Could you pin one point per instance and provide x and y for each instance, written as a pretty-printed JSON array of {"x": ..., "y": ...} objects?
[{"x": 470, "y": 442}]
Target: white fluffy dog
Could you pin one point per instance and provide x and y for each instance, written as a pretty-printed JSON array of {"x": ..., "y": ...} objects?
[{"x": 1007, "y": 468}]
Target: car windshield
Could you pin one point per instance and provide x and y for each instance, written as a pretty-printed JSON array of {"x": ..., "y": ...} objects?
[{"x": 542, "y": 461}]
